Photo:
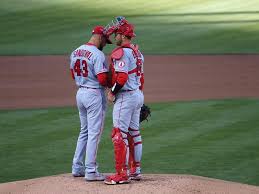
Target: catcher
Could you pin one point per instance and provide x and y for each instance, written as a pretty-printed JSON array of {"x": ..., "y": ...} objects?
[{"x": 126, "y": 82}]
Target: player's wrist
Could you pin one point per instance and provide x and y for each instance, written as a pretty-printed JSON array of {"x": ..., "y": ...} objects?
[
  {"x": 116, "y": 88},
  {"x": 110, "y": 92}
]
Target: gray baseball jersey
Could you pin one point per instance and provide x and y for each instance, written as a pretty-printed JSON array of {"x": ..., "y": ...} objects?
[
  {"x": 127, "y": 64},
  {"x": 87, "y": 62}
]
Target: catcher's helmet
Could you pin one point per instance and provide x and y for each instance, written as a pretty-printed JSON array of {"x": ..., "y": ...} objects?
[
  {"x": 121, "y": 26},
  {"x": 126, "y": 29}
]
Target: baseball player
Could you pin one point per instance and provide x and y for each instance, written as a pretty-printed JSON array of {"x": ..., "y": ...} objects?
[
  {"x": 127, "y": 82},
  {"x": 89, "y": 70}
]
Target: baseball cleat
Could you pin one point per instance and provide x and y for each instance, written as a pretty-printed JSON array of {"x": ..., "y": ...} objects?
[
  {"x": 136, "y": 177},
  {"x": 116, "y": 179},
  {"x": 78, "y": 174},
  {"x": 96, "y": 176}
]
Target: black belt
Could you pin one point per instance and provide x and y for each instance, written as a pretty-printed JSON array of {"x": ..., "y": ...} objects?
[
  {"x": 88, "y": 87},
  {"x": 127, "y": 90}
]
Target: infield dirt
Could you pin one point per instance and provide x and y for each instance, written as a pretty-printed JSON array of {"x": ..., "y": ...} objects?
[{"x": 44, "y": 81}]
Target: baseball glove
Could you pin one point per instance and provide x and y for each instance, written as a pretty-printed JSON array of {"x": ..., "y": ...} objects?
[{"x": 145, "y": 112}]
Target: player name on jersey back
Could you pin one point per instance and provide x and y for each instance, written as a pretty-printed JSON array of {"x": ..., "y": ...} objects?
[{"x": 82, "y": 53}]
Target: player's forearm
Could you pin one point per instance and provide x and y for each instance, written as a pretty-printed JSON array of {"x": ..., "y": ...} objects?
[{"x": 121, "y": 79}]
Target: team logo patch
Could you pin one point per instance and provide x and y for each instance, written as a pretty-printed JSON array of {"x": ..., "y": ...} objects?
[{"x": 121, "y": 64}]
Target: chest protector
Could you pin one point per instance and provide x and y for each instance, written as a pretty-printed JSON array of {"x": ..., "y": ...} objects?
[{"x": 117, "y": 54}]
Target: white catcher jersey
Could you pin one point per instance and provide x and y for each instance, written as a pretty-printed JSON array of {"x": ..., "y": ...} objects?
[
  {"x": 87, "y": 61},
  {"x": 127, "y": 64}
]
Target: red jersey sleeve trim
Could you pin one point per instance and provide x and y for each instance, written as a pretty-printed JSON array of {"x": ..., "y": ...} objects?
[{"x": 103, "y": 78}]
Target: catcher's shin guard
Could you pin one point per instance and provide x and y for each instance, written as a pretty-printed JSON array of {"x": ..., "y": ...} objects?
[
  {"x": 120, "y": 151},
  {"x": 131, "y": 152},
  {"x": 135, "y": 150}
]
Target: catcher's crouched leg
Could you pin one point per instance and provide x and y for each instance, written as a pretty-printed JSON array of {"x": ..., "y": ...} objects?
[
  {"x": 119, "y": 140},
  {"x": 135, "y": 153}
]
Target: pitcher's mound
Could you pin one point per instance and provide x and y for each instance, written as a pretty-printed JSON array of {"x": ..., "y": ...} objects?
[{"x": 151, "y": 183}]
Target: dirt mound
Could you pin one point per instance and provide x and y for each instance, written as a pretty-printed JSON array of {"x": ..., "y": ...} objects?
[{"x": 178, "y": 184}]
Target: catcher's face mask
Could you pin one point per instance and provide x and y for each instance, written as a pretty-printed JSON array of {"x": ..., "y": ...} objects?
[{"x": 114, "y": 25}]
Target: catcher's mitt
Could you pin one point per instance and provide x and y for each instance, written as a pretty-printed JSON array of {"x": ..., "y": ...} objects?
[{"x": 145, "y": 112}]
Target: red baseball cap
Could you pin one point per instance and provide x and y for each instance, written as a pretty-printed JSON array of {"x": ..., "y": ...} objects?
[{"x": 100, "y": 30}]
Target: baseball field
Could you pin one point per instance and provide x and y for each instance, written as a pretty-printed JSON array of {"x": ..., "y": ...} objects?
[{"x": 201, "y": 70}]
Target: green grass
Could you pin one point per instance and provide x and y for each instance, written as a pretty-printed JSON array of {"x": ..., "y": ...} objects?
[
  {"x": 33, "y": 27},
  {"x": 216, "y": 138}
]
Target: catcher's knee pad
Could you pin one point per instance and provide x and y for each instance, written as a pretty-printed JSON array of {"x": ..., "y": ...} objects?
[{"x": 120, "y": 149}]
